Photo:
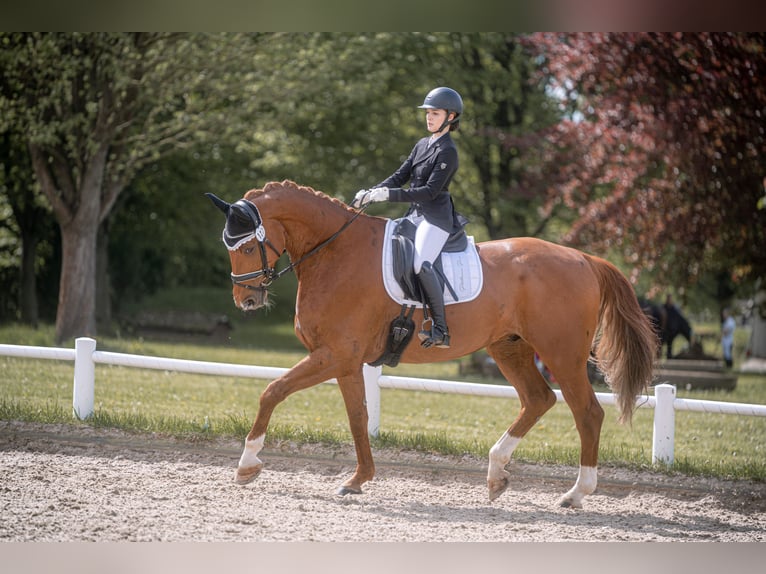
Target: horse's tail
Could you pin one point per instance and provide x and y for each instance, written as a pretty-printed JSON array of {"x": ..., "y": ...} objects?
[{"x": 626, "y": 343}]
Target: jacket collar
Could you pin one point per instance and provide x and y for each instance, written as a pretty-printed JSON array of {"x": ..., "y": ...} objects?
[{"x": 427, "y": 151}]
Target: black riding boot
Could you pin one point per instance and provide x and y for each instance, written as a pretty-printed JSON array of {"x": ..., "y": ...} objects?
[{"x": 433, "y": 291}]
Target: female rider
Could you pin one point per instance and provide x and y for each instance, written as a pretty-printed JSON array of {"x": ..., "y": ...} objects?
[{"x": 429, "y": 169}]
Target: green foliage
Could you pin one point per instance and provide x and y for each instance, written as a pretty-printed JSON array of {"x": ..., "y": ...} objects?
[
  {"x": 93, "y": 109},
  {"x": 28, "y": 241},
  {"x": 142, "y": 94},
  {"x": 337, "y": 115},
  {"x": 151, "y": 245},
  {"x": 183, "y": 114},
  {"x": 500, "y": 138}
]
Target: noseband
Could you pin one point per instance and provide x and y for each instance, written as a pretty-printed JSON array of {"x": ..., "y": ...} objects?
[{"x": 270, "y": 274}]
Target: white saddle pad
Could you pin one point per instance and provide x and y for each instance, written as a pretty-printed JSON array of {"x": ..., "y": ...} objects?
[{"x": 462, "y": 270}]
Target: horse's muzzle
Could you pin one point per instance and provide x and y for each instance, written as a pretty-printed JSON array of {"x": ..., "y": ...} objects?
[{"x": 251, "y": 299}]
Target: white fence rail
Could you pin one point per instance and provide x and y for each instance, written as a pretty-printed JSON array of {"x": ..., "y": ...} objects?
[{"x": 85, "y": 357}]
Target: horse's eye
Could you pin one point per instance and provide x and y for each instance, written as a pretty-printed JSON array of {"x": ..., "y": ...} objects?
[{"x": 249, "y": 250}]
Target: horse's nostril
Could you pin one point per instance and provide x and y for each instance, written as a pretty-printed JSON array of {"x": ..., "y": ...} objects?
[
  {"x": 252, "y": 303},
  {"x": 250, "y": 299}
]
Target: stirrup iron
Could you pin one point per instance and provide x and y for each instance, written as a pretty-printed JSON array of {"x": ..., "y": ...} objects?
[{"x": 426, "y": 335}]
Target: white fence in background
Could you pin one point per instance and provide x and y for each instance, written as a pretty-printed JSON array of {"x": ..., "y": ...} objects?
[{"x": 85, "y": 357}]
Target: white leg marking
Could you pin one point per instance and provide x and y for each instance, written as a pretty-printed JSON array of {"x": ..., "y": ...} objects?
[
  {"x": 587, "y": 479},
  {"x": 250, "y": 454},
  {"x": 500, "y": 455}
]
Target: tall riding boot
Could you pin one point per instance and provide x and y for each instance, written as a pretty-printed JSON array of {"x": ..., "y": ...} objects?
[{"x": 433, "y": 291}]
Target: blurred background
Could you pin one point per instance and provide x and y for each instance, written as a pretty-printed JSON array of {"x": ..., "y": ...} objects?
[{"x": 646, "y": 149}]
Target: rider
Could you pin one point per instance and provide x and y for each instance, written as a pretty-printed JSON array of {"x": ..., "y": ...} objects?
[{"x": 429, "y": 169}]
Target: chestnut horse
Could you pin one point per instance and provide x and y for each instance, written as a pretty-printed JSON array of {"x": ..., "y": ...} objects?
[{"x": 537, "y": 297}]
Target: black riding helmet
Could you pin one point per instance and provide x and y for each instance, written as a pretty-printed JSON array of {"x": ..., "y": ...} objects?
[{"x": 443, "y": 98}]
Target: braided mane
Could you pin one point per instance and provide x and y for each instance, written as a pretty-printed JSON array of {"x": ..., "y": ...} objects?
[{"x": 288, "y": 185}]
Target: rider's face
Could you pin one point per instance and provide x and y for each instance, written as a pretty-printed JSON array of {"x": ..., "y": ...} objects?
[{"x": 435, "y": 119}]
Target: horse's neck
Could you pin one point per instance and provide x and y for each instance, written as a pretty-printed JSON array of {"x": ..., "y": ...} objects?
[{"x": 311, "y": 220}]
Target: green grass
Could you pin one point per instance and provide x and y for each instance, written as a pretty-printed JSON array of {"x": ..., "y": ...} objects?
[{"x": 197, "y": 407}]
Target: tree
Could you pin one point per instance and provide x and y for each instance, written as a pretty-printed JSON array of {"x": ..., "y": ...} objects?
[
  {"x": 32, "y": 220},
  {"x": 172, "y": 239},
  {"x": 673, "y": 147},
  {"x": 340, "y": 113},
  {"x": 506, "y": 113},
  {"x": 94, "y": 109},
  {"x": 335, "y": 108}
]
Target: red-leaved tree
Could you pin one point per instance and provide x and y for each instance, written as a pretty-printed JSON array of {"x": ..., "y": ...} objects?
[{"x": 664, "y": 154}]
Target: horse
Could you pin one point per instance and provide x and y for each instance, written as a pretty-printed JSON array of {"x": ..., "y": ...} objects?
[
  {"x": 675, "y": 324},
  {"x": 668, "y": 323},
  {"x": 537, "y": 297}
]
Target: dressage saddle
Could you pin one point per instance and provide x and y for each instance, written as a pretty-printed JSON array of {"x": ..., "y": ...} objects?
[{"x": 403, "y": 253}]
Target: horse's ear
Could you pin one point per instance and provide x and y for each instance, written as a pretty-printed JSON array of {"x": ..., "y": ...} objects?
[{"x": 219, "y": 203}]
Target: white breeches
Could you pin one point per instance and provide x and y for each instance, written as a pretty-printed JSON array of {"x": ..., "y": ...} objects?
[{"x": 429, "y": 241}]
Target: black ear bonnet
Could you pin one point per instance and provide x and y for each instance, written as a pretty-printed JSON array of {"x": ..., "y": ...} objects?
[{"x": 243, "y": 223}]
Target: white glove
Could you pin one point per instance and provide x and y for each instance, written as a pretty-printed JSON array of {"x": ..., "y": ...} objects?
[
  {"x": 364, "y": 197},
  {"x": 378, "y": 194},
  {"x": 356, "y": 203}
]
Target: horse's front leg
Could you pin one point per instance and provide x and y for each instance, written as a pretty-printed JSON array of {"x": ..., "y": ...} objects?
[
  {"x": 352, "y": 388},
  {"x": 311, "y": 371}
]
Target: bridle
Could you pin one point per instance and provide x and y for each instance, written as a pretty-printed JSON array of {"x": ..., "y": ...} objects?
[
  {"x": 269, "y": 273},
  {"x": 258, "y": 233}
]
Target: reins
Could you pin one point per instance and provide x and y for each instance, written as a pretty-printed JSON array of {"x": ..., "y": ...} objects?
[{"x": 270, "y": 273}]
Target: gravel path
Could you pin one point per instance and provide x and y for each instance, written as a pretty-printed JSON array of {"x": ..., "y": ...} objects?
[{"x": 75, "y": 483}]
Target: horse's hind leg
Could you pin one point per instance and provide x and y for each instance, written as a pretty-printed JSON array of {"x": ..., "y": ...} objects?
[
  {"x": 515, "y": 359},
  {"x": 572, "y": 377}
]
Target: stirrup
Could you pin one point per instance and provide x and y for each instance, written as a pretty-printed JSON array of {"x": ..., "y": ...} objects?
[
  {"x": 425, "y": 332},
  {"x": 427, "y": 340}
]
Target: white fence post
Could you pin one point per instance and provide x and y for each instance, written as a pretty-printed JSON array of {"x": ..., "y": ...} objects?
[
  {"x": 664, "y": 424},
  {"x": 84, "y": 377},
  {"x": 372, "y": 398}
]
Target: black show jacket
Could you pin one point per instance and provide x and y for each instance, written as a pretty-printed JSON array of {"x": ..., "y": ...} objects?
[{"x": 429, "y": 169}]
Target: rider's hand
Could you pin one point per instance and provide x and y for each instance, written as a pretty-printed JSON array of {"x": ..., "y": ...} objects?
[
  {"x": 378, "y": 194},
  {"x": 364, "y": 197},
  {"x": 358, "y": 198}
]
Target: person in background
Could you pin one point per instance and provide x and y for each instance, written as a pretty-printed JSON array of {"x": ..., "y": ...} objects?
[{"x": 728, "y": 325}]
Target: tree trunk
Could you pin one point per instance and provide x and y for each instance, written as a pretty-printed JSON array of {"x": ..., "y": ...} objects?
[
  {"x": 76, "y": 203},
  {"x": 76, "y": 314}
]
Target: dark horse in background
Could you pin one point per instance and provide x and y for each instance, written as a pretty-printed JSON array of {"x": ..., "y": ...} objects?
[{"x": 668, "y": 323}]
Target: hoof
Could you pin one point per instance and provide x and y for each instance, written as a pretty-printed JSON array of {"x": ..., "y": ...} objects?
[
  {"x": 247, "y": 475},
  {"x": 497, "y": 487},
  {"x": 344, "y": 490},
  {"x": 569, "y": 502}
]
